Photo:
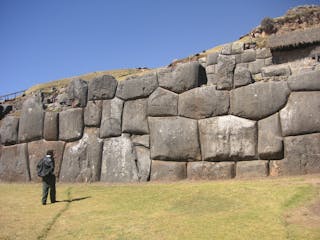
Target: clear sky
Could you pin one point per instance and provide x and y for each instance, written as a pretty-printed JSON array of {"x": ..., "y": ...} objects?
[{"x": 45, "y": 40}]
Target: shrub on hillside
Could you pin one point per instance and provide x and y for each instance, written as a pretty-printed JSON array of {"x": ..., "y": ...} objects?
[{"x": 268, "y": 25}]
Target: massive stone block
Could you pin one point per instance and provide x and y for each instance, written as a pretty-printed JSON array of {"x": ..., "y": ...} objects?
[
  {"x": 307, "y": 81},
  {"x": 111, "y": 118},
  {"x": 143, "y": 163},
  {"x": 174, "y": 138},
  {"x": 71, "y": 124},
  {"x": 38, "y": 149},
  {"x": 9, "y": 130},
  {"x": 82, "y": 159},
  {"x": 224, "y": 71},
  {"x": 258, "y": 100},
  {"x": 31, "y": 120},
  {"x": 92, "y": 113},
  {"x": 50, "y": 126},
  {"x": 227, "y": 138},
  {"x": 275, "y": 70},
  {"x": 14, "y": 163},
  {"x": 137, "y": 86},
  {"x": 163, "y": 103},
  {"x": 119, "y": 160},
  {"x": 168, "y": 171},
  {"x": 264, "y": 53},
  {"x": 248, "y": 55},
  {"x": 210, "y": 170},
  {"x": 135, "y": 117},
  {"x": 242, "y": 77},
  {"x": 270, "y": 144},
  {"x": 301, "y": 114},
  {"x": 212, "y": 58},
  {"x": 252, "y": 169},
  {"x": 256, "y": 66},
  {"x": 77, "y": 92},
  {"x": 203, "y": 102},
  {"x": 103, "y": 87}
]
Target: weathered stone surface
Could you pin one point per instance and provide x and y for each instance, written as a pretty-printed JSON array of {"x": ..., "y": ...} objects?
[
  {"x": 301, "y": 114},
  {"x": 276, "y": 70},
  {"x": 168, "y": 171},
  {"x": 182, "y": 77},
  {"x": 258, "y": 100},
  {"x": 224, "y": 72},
  {"x": 307, "y": 81},
  {"x": 212, "y": 58},
  {"x": 210, "y": 170},
  {"x": 14, "y": 163},
  {"x": 119, "y": 160},
  {"x": 31, "y": 120},
  {"x": 237, "y": 47},
  {"x": 77, "y": 92},
  {"x": 137, "y": 87},
  {"x": 71, "y": 124},
  {"x": 103, "y": 87},
  {"x": 226, "y": 49},
  {"x": 38, "y": 150},
  {"x": 270, "y": 144},
  {"x": 92, "y": 113},
  {"x": 227, "y": 138},
  {"x": 268, "y": 61},
  {"x": 248, "y": 55},
  {"x": 242, "y": 77},
  {"x": 50, "y": 126},
  {"x": 163, "y": 103},
  {"x": 263, "y": 53},
  {"x": 252, "y": 169},
  {"x": 141, "y": 140},
  {"x": 203, "y": 102},
  {"x": 135, "y": 117},
  {"x": 143, "y": 163},
  {"x": 82, "y": 159},
  {"x": 9, "y": 130},
  {"x": 255, "y": 67},
  {"x": 174, "y": 138},
  {"x": 111, "y": 118}
]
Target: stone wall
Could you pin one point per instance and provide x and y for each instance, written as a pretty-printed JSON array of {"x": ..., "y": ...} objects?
[{"x": 235, "y": 116}]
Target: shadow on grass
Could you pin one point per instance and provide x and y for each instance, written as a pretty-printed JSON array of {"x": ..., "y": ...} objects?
[{"x": 73, "y": 199}]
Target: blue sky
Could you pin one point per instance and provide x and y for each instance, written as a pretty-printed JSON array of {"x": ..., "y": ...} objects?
[{"x": 42, "y": 40}]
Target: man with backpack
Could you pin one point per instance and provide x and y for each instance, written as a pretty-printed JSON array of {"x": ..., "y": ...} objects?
[{"x": 45, "y": 169}]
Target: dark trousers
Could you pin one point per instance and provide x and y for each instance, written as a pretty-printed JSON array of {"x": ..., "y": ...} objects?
[{"x": 49, "y": 183}]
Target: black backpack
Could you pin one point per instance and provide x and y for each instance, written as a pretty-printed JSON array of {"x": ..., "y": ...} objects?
[{"x": 43, "y": 169}]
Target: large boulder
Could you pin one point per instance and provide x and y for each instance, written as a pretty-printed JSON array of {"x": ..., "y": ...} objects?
[
  {"x": 111, "y": 118},
  {"x": 50, "y": 126},
  {"x": 210, "y": 170},
  {"x": 135, "y": 117},
  {"x": 301, "y": 114},
  {"x": 82, "y": 159},
  {"x": 163, "y": 102},
  {"x": 203, "y": 102},
  {"x": 31, "y": 120},
  {"x": 258, "y": 100},
  {"x": 77, "y": 92},
  {"x": 14, "y": 163},
  {"x": 103, "y": 87},
  {"x": 38, "y": 149},
  {"x": 270, "y": 144},
  {"x": 143, "y": 163},
  {"x": 168, "y": 171},
  {"x": 252, "y": 169},
  {"x": 71, "y": 124},
  {"x": 224, "y": 71},
  {"x": 9, "y": 130},
  {"x": 119, "y": 160},
  {"x": 137, "y": 86},
  {"x": 92, "y": 113},
  {"x": 307, "y": 81},
  {"x": 174, "y": 138},
  {"x": 227, "y": 138}
]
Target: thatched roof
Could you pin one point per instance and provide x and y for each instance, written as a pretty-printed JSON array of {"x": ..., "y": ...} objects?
[{"x": 294, "y": 39}]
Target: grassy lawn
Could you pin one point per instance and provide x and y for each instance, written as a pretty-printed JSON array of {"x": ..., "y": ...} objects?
[{"x": 283, "y": 208}]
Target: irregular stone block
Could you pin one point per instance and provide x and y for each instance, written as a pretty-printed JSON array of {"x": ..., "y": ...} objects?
[
  {"x": 227, "y": 138},
  {"x": 163, "y": 103},
  {"x": 71, "y": 124},
  {"x": 141, "y": 140},
  {"x": 111, "y": 118},
  {"x": 77, "y": 92},
  {"x": 212, "y": 58},
  {"x": 82, "y": 159},
  {"x": 31, "y": 120},
  {"x": 103, "y": 87},
  {"x": 14, "y": 163},
  {"x": 118, "y": 160},
  {"x": 224, "y": 71},
  {"x": 255, "y": 67},
  {"x": 276, "y": 70},
  {"x": 92, "y": 114},
  {"x": 301, "y": 114},
  {"x": 242, "y": 77},
  {"x": 143, "y": 163},
  {"x": 203, "y": 102},
  {"x": 38, "y": 149},
  {"x": 307, "y": 81},
  {"x": 168, "y": 171},
  {"x": 252, "y": 169},
  {"x": 264, "y": 53},
  {"x": 226, "y": 49},
  {"x": 50, "y": 126},
  {"x": 135, "y": 117},
  {"x": 258, "y": 100},
  {"x": 248, "y": 55},
  {"x": 237, "y": 47},
  {"x": 137, "y": 86},
  {"x": 210, "y": 170},
  {"x": 9, "y": 130},
  {"x": 270, "y": 144},
  {"x": 174, "y": 138}
]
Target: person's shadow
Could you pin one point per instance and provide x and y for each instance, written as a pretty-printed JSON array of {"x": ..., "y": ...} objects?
[{"x": 73, "y": 199}]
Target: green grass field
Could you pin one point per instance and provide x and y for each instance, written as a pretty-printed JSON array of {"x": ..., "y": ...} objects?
[{"x": 283, "y": 208}]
